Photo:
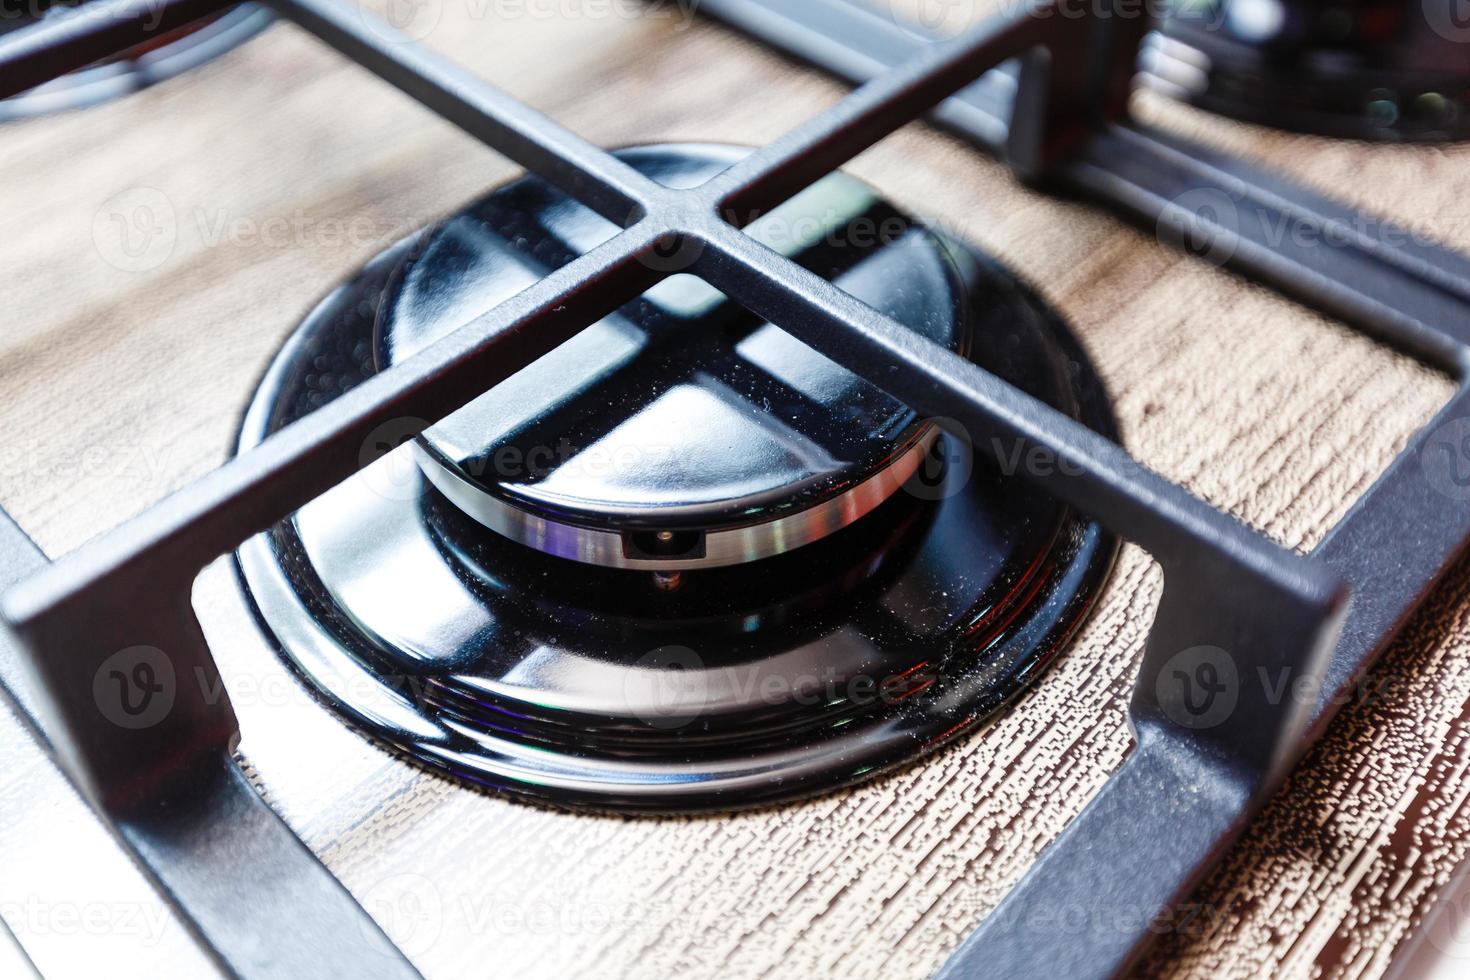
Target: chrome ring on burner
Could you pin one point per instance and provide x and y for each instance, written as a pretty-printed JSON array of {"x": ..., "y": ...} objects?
[{"x": 720, "y": 548}]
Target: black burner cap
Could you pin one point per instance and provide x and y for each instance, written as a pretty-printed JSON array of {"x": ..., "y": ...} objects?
[
  {"x": 708, "y": 687},
  {"x": 682, "y": 432}
]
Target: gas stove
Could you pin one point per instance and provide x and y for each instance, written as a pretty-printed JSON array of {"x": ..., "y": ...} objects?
[{"x": 723, "y": 552}]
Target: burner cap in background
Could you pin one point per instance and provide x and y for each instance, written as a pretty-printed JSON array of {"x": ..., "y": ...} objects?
[
  {"x": 706, "y": 686},
  {"x": 1389, "y": 70},
  {"x": 682, "y": 432},
  {"x": 147, "y": 64}
]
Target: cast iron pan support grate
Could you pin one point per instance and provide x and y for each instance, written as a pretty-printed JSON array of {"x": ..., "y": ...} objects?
[{"x": 258, "y": 900}]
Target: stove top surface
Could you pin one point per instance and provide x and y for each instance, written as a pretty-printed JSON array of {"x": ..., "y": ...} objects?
[
  {"x": 533, "y": 664},
  {"x": 1273, "y": 413}
]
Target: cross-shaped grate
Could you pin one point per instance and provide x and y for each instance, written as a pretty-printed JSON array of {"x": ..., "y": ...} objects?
[{"x": 257, "y": 898}]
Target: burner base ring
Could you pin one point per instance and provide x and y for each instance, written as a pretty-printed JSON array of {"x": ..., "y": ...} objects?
[{"x": 607, "y": 689}]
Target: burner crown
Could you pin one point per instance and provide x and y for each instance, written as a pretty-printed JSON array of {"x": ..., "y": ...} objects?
[{"x": 683, "y": 431}]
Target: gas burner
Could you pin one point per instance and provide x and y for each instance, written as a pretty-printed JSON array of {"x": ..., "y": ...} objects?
[
  {"x": 682, "y": 434},
  {"x": 154, "y": 61},
  {"x": 1360, "y": 69},
  {"x": 683, "y": 561}
]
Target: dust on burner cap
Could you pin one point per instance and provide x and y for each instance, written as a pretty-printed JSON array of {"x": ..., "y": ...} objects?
[
  {"x": 408, "y": 606},
  {"x": 682, "y": 432}
]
